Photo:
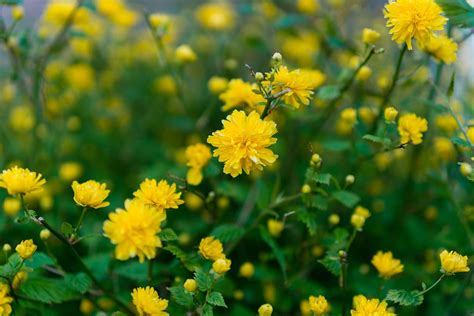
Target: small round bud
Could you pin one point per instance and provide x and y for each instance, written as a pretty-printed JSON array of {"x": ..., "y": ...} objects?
[
  {"x": 277, "y": 57},
  {"x": 259, "y": 76},
  {"x": 334, "y": 219},
  {"x": 45, "y": 234},
  {"x": 306, "y": 189},
  {"x": 466, "y": 169},
  {"x": 7, "y": 248},
  {"x": 247, "y": 270},
  {"x": 231, "y": 64},
  {"x": 316, "y": 160},
  {"x": 390, "y": 114},
  {"x": 350, "y": 179},
  {"x": 211, "y": 196},
  {"x": 265, "y": 310},
  {"x": 357, "y": 221},
  {"x": 185, "y": 54},
  {"x": 190, "y": 285},
  {"x": 342, "y": 254},
  {"x": 18, "y": 13}
]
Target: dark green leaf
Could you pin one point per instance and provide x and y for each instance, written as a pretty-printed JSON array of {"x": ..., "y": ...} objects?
[
  {"x": 377, "y": 140},
  {"x": 309, "y": 219},
  {"x": 216, "y": 299},
  {"x": 203, "y": 280},
  {"x": 459, "y": 12},
  {"x": 276, "y": 250},
  {"x": 405, "y": 298},
  {"x": 66, "y": 228},
  {"x": 227, "y": 232},
  {"x": 460, "y": 142},
  {"x": 328, "y": 92},
  {"x": 38, "y": 260},
  {"x": 181, "y": 296},
  {"x": 79, "y": 282},
  {"x": 168, "y": 234},
  {"x": 347, "y": 198},
  {"x": 332, "y": 263},
  {"x": 47, "y": 290}
]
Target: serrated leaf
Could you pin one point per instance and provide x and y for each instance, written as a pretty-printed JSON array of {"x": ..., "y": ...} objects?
[
  {"x": 460, "y": 142},
  {"x": 347, "y": 198},
  {"x": 328, "y": 93},
  {"x": 319, "y": 202},
  {"x": 207, "y": 310},
  {"x": 79, "y": 282},
  {"x": 168, "y": 234},
  {"x": 38, "y": 260},
  {"x": 204, "y": 280},
  {"x": 181, "y": 296},
  {"x": 275, "y": 249},
  {"x": 332, "y": 263},
  {"x": 12, "y": 266},
  {"x": 309, "y": 219},
  {"x": 459, "y": 12},
  {"x": 47, "y": 290},
  {"x": 66, "y": 228},
  {"x": 377, "y": 140},
  {"x": 227, "y": 232},
  {"x": 323, "y": 178},
  {"x": 405, "y": 298},
  {"x": 216, "y": 299}
]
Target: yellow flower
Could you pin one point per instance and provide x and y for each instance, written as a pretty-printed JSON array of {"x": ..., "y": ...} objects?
[
  {"x": 242, "y": 143},
  {"x": 367, "y": 114},
  {"x": 305, "y": 189},
  {"x": 70, "y": 171},
  {"x": 18, "y": 279},
  {"x": 316, "y": 77},
  {"x": 215, "y": 16},
  {"x": 308, "y": 46},
  {"x": 442, "y": 48},
  {"x": 198, "y": 156},
  {"x": 362, "y": 211},
  {"x": 11, "y": 206},
  {"x": 298, "y": 83},
  {"x": 447, "y": 123},
  {"x": 190, "y": 285},
  {"x": 444, "y": 148},
  {"x": 369, "y": 307},
  {"x": 5, "y": 300},
  {"x": 265, "y": 310},
  {"x": 318, "y": 305},
  {"x": 160, "y": 195},
  {"x": 90, "y": 194},
  {"x": 165, "y": 85},
  {"x": 58, "y": 11},
  {"x": 307, "y": 6},
  {"x": 22, "y": 118},
  {"x": 410, "y": 19},
  {"x": 240, "y": 93},
  {"x": 364, "y": 73},
  {"x": 148, "y": 303},
  {"x": 275, "y": 227},
  {"x": 211, "y": 248},
  {"x": 470, "y": 134},
  {"x": 386, "y": 265},
  {"x": 117, "y": 12},
  {"x": 390, "y": 114},
  {"x": 349, "y": 116},
  {"x": 452, "y": 262},
  {"x": 217, "y": 84},
  {"x": 247, "y": 270},
  {"x": 185, "y": 54},
  {"x": 26, "y": 249},
  {"x": 18, "y": 12},
  {"x": 411, "y": 128},
  {"x": 80, "y": 77},
  {"x": 465, "y": 169},
  {"x": 159, "y": 20},
  {"x": 357, "y": 221},
  {"x": 370, "y": 36},
  {"x": 134, "y": 230},
  {"x": 221, "y": 266},
  {"x": 86, "y": 306},
  {"x": 21, "y": 181}
]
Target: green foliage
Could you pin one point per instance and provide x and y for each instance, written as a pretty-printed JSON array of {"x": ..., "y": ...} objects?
[
  {"x": 203, "y": 279},
  {"x": 227, "y": 232},
  {"x": 349, "y": 199},
  {"x": 47, "y": 290},
  {"x": 79, "y": 282},
  {"x": 38, "y": 260},
  {"x": 168, "y": 234},
  {"x": 384, "y": 141},
  {"x": 279, "y": 255},
  {"x": 216, "y": 299},
  {"x": 181, "y": 296},
  {"x": 12, "y": 266},
  {"x": 309, "y": 219},
  {"x": 335, "y": 242},
  {"x": 405, "y": 298},
  {"x": 459, "y": 12},
  {"x": 328, "y": 92}
]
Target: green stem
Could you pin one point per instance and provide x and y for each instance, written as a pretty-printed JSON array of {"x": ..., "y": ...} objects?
[
  {"x": 432, "y": 286},
  {"x": 150, "y": 271},
  {"x": 81, "y": 219}
]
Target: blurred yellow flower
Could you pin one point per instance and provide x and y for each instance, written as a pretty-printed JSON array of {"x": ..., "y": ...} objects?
[
  {"x": 134, "y": 230},
  {"x": 117, "y": 12},
  {"x": 90, "y": 194},
  {"x": 275, "y": 227},
  {"x": 410, "y": 19},
  {"x": 470, "y": 134},
  {"x": 386, "y": 265},
  {"x": 165, "y": 85},
  {"x": 70, "y": 171},
  {"x": 147, "y": 302},
  {"x": 18, "y": 12},
  {"x": 298, "y": 83},
  {"x": 370, "y": 36},
  {"x": 197, "y": 156},
  {"x": 318, "y": 305},
  {"x": 159, "y": 20},
  {"x": 444, "y": 148},
  {"x": 5, "y": 300},
  {"x": 442, "y": 48},
  {"x": 411, "y": 128},
  {"x": 185, "y": 54},
  {"x": 364, "y": 73},
  {"x": 265, "y": 310},
  {"x": 217, "y": 84},
  {"x": 240, "y": 93},
  {"x": 11, "y": 206},
  {"x": 447, "y": 123},
  {"x": 211, "y": 248},
  {"x": 21, "y": 181},
  {"x": 80, "y": 77},
  {"x": 26, "y": 249},
  {"x": 86, "y": 306},
  {"x": 22, "y": 118},
  {"x": 390, "y": 114},
  {"x": 160, "y": 195},
  {"x": 221, "y": 265},
  {"x": 307, "y": 6},
  {"x": 247, "y": 270},
  {"x": 349, "y": 116},
  {"x": 367, "y": 114},
  {"x": 308, "y": 46},
  {"x": 452, "y": 262},
  {"x": 216, "y": 16},
  {"x": 242, "y": 143},
  {"x": 369, "y": 307},
  {"x": 18, "y": 279},
  {"x": 58, "y": 11}
]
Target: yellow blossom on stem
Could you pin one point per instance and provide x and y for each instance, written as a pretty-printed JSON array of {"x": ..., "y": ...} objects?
[
  {"x": 265, "y": 310},
  {"x": 134, "y": 230},
  {"x": 442, "y": 48},
  {"x": 26, "y": 249},
  {"x": 390, "y": 114},
  {"x": 452, "y": 262},
  {"x": 21, "y": 181},
  {"x": 417, "y": 19},
  {"x": 299, "y": 85},
  {"x": 160, "y": 195},
  {"x": 275, "y": 227},
  {"x": 318, "y": 305},
  {"x": 369, "y": 307},
  {"x": 411, "y": 128},
  {"x": 211, "y": 248},
  {"x": 198, "y": 156},
  {"x": 386, "y": 265},
  {"x": 217, "y": 84},
  {"x": 5, "y": 300},
  {"x": 90, "y": 194},
  {"x": 185, "y": 54},
  {"x": 221, "y": 266},
  {"x": 240, "y": 94},
  {"x": 370, "y": 36},
  {"x": 242, "y": 143},
  {"x": 190, "y": 285},
  {"x": 148, "y": 302}
]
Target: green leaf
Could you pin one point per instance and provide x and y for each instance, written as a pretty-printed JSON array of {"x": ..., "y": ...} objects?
[
  {"x": 133, "y": 270},
  {"x": 12, "y": 266},
  {"x": 276, "y": 250},
  {"x": 38, "y": 260},
  {"x": 181, "y": 296},
  {"x": 118, "y": 314},
  {"x": 332, "y": 263},
  {"x": 66, "y": 228},
  {"x": 451, "y": 85},
  {"x": 227, "y": 232},
  {"x": 203, "y": 280},
  {"x": 336, "y": 145},
  {"x": 79, "y": 282},
  {"x": 323, "y": 178},
  {"x": 309, "y": 219},
  {"x": 347, "y": 198},
  {"x": 168, "y": 234},
  {"x": 328, "y": 93},
  {"x": 47, "y": 290},
  {"x": 459, "y": 12},
  {"x": 216, "y": 299},
  {"x": 377, "y": 140},
  {"x": 405, "y": 298},
  {"x": 319, "y": 202},
  {"x": 207, "y": 310},
  {"x": 460, "y": 142}
]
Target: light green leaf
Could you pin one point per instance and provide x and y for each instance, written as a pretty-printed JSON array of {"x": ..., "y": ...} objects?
[
  {"x": 168, "y": 234},
  {"x": 276, "y": 250},
  {"x": 459, "y": 12},
  {"x": 203, "y": 280},
  {"x": 79, "y": 282},
  {"x": 48, "y": 290},
  {"x": 405, "y": 298},
  {"x": 216, "y": 299},
  {"x": 227, "y": 232},
  {"x": 347, "y": 198},
  {"x": 181, "y": 296}
]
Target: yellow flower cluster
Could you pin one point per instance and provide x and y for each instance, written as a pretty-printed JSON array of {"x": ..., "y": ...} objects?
[
  {"x": 21, "y": 181},
  {"x": 359, "y": 217},
  {"x": 442, "y": 48},
  {"x": 318, "y": 305},
  {"x": 5, "y": 300},
  {"x": 90, "y": 194},
  {"x": 26, "y": 249},
  {"x": 369, "y": 307},
  {"x": 242, "y": 143},
  {"x": 198, "y": 156},
  {"x": 240, "y": 94},
  {"x": 386, "y": 265},
  {"x": 411, "y": 128},
  {"x": 160, "y": 195},
  {"x": 452, "y": 262},
  {"x": 118, "y": 12},
  {"x": 417, "y": 19},
  {"x": 148, "y": 302},
  {"x": 212, "y": 249},
  {"x": 134, "y": 230}
]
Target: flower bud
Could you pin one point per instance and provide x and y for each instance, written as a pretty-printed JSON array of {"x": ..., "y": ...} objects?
[
  {"x": 45, "y": 234},
  {"x": 18, "y": 13},
  {"x": 247, "y": 270},
  {"x": 305, "y": 189},
  {"x": 370, "y": 36},
  {"x": 316, "y": 160},
  {"x": 185, "y": 54},
  {"x": 350, "y": 179},
  {"x": 390, "y": 114},
  {"x": 465, "y": 168},
  {"x": 265, "y": 310},
  {"x": 259, "y": 76},
  {"x": 334, "y": 219},
  {"x": 277, "y": 58},
  {"x": 7, "y": 248},
  {"x": 221, "y": 266},
  {"x": 190, "y": 285}
]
